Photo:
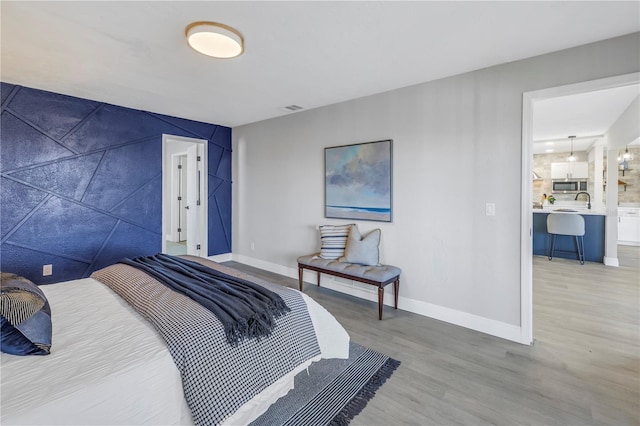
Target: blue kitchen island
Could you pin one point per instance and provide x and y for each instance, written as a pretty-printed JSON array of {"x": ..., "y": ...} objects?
[{"x": 565, "y": 245}]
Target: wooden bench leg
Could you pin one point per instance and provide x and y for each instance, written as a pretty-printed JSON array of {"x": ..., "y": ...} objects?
[
  {"x": 396, "y": 287},
  {"x": 300, "y": 273},
  {"x": 379, "y": 284}
]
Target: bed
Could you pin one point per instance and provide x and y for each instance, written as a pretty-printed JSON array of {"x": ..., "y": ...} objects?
[{"x": 109, "y": 365}]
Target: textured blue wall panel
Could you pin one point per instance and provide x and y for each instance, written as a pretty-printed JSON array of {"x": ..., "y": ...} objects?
[
  {"x": 220, "y": 223},
  {"x": 194, "y": 129},
  {"x": 128, "y": 241},
  {"x": 112, "y": 125},
  {"x": 224, "y": 168},
  {"x": 222, "y": 137},
  {"x": 28, "y": 263},
  {"x": 141, "y": 207},
  {"x": 66, "y": 177},
  {"x": 27, "y": 145},
  {"x": 123, "y": 171},
  {"x": 5, "y": 91},
  {"x": 55, "y": 114},
  {"x": 214, "y": 185},
  {"x": 65, "y": 228},
  {"x": 81, "y": 183},
  {"x": 20, "y": 201},
  {"x": 215, "y": 156},
  {"x": 220, "y": 190}
]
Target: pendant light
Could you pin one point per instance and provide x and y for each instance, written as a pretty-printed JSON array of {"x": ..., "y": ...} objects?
[
  {"x": 571, "y": 156},
  {"x": 623, "y": 160}
]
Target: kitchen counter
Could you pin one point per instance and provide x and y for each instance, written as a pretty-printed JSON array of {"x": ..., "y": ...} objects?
[
  {"x": 558, "y": 208},
  {"x": 594, "y": 242}
]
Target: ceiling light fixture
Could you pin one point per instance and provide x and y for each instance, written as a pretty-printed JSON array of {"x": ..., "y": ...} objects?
[
  {"x": 624, "y": 160},
  {"x": 214, "y": 39},
  {"x": 571, "y": 156}
]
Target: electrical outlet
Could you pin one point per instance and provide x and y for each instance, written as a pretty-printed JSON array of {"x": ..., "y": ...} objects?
[
  {"x": 490, "y": 209},
  {"x": 253, "y": 246},
  {"x": 47, "y": 270}
]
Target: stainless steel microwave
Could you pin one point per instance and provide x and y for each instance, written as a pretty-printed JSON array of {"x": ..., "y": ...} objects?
[{"x": 569, "y": 186}]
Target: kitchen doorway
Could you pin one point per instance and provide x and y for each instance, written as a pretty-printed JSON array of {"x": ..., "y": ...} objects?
[
  {"x": 526, "y": 250},
  {"x": 184, "y": 196}
]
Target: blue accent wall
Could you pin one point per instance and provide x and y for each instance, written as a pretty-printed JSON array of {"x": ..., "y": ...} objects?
[{"x": 81, "y": 183}]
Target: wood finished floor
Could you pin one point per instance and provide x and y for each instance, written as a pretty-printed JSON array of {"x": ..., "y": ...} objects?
[{"x": 584, "y": 368}]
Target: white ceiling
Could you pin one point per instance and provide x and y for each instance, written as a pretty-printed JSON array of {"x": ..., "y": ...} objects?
[
  {"x": 585, "y": 115},
  {"x": 306, "y": 53}
]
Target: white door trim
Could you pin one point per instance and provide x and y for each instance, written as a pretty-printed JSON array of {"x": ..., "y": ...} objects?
[
  {"x": 184, "y": 142},
  {"x": 526, "y": 247}
]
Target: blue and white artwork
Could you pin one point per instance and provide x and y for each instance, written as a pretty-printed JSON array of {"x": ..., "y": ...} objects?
[{"x": 358, "y": 181}]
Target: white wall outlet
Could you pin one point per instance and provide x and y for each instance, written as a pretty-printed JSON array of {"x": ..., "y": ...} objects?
[
  {"x": 253, "y": 246},
  {"x": 490, "y": 209},
  {"x": 47, "y": 270}
]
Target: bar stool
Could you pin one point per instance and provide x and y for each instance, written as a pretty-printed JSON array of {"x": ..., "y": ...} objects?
[{"x": 566, "y": 224}]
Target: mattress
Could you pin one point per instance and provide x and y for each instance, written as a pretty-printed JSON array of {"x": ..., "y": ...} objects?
[
  {"x": 109, "y": 366},
  {"x": 104, "y": 356}
]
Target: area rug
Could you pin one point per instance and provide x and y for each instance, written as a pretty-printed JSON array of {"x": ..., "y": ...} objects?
[{"x": 333, "y": 391}]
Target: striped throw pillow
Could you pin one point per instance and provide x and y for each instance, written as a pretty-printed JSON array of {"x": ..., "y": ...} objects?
[
  {"x": 25, "y": 317},
  {"x": 333, "y": 240}
]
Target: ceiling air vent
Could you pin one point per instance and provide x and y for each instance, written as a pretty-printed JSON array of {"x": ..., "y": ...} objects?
[{"x": 292, "y": 108}]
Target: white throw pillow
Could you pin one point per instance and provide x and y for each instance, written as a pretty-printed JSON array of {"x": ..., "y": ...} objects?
[{"x": 363, "y": 250}]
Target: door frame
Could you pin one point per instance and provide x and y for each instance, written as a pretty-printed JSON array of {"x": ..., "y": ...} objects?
[
  {"x": 172, "y": 144},
  {"x": 526, "y": 229},
  {"x": 176, "y": 187}
]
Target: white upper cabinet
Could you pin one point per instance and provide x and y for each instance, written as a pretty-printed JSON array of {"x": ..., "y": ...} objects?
[
  {"x": 570, "y": 170},
  {"x": 579, "y": 170},
  {"x": 560, "y": 170}
]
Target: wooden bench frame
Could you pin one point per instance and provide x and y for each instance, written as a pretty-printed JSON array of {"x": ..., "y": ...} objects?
[{"x": 380, "y": 284}]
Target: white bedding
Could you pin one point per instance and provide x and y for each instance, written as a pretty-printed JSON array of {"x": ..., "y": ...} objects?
[{"x": 109, "y": 366}]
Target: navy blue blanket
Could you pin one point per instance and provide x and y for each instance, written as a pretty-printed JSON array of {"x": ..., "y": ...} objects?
[{"x": 245, "y": 309}]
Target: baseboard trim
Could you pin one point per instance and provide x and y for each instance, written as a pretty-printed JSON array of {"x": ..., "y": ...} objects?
[
  {"x": 611, "y": 261},
  {"x": 224, "y": 257},
  {"x": 367, "y": 292},
  {"x": 628, "y": 243}
]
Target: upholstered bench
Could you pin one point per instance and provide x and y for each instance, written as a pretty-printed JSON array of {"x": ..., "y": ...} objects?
[{"x": 378, "y": 276}]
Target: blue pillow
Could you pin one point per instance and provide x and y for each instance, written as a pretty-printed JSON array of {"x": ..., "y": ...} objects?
[{"x": 25, "y": 317}]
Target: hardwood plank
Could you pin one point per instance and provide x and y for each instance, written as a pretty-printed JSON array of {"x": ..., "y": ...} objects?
[{"x": 584, "y": 368}]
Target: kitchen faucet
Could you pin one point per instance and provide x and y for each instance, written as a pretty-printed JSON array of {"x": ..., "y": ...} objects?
[{"x": 588, "y": 199}]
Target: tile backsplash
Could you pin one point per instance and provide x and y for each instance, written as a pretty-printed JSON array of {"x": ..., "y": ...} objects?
[
  {"x": 542, "y": 166},
  {"x": 631, "y": 178}
]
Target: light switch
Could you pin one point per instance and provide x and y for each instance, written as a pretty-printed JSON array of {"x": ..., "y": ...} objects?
[{"x": 490, "y": 209}]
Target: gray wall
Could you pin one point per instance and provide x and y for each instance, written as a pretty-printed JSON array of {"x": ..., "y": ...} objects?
[{"x": 457, "y": 146}]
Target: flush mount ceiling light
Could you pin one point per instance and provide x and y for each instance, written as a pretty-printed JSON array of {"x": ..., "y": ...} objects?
[{"x": 215, "y": 39}]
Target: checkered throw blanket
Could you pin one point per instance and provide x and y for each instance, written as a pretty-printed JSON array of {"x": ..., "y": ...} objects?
[{"x": 217, "y": 377}]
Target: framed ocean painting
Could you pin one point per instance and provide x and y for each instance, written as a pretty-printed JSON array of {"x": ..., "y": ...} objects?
[{"x": 358, "y": 181}]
